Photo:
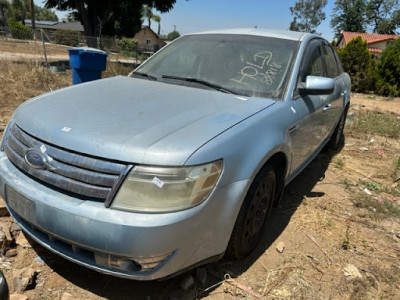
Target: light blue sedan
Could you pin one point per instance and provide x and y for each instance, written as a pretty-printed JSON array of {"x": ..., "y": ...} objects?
[{"x": 180, "y": 162}]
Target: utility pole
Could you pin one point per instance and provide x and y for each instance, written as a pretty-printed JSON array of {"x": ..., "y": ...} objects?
[{"x": 32, "y": 7}]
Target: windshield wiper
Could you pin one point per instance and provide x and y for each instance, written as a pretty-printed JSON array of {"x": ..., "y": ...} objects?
[
  {"x": 150, "y": 77},
  {"x": 203, "y": 82}
]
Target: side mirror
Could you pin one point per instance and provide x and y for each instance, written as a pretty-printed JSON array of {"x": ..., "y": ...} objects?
[
  {"x": 316, "y": 85},
  {"x": 4, "y": 293}
]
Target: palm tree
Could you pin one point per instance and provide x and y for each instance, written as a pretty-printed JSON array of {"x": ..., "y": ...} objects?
[
  {"x": 147, "y": 13},
  {"x": 157, "y": 18}
]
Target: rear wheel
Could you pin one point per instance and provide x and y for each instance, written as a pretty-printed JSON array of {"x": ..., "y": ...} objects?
[
  {"x": 250, "y": 224},
  {"x": 337, "y": 136}
]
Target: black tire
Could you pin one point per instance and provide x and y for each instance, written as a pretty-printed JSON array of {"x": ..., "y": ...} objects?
[
  {"x": 337, "y": 136},
  {"x": 250, "y": 224},
  {"x": 4, "y": 292}
]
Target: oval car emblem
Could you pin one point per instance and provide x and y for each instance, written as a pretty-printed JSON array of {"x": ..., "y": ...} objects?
[{"x": 35, "y": 159}]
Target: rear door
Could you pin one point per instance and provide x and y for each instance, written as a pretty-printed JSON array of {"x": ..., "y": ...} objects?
[{"x": 333, "y": 103}]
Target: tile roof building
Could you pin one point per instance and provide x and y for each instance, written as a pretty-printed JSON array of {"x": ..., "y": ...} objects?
[{"x": 376, "y": 43}]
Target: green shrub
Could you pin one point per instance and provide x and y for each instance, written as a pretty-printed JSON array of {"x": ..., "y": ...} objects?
[
  {"x": 20, "y": 31},
  {"x": 359, "y": 64},
  {"x": 67, "y": 37},
  {"x": 389, "y": 70},
  {"x": 173, "y": 35},
  {"x": 128, "y": 46}
]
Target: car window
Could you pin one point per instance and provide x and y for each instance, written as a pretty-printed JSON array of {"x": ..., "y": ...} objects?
[
  {"x": 332, "y": 69},
  {"x": 252, "y": 65},
  {"x": 314, "y": 65},
  {"x": 339, "y": 63}
]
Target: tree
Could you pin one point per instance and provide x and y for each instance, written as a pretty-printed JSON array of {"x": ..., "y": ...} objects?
[
  {"x": 383, "y": 15},
  {"x": 124, "y": 19},
  {"x": 157, "y": 18},
  {"x": 3, "y": 5},
  {"x": 45, "y": 14},
  {"x": 389, "y": 70},
  {"x": 97, "y": 14},
  {"x": 18, "y": 10},
  {"x": 147, "y": 13},
  {"x": 173, "y": 35},
  {"x": 359, "y": 64},
  {"x": 349, "y": 15},
  {"x": 307, "y": 14}
]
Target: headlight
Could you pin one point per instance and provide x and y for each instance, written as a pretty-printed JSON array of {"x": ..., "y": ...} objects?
[
  {"x": 5, "y": 135},
  {"x": 164, "y": 189}
]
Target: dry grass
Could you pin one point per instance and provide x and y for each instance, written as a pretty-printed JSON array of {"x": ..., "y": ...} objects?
[
  {"x": 25, "y": 79},
  {"x": 32, "y": 48},
  {"x": 21, "y": 81}
]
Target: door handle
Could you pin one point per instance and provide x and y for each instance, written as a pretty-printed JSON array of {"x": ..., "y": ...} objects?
[
  {"x": 343, "y": 93},
  {"x": 326, "y": 107}
]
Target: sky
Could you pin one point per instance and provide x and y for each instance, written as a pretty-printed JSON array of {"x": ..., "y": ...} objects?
[{"x": 198, "y": 15}]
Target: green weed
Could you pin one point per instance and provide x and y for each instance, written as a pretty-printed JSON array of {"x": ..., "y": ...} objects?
[
  {"x": 379, "y": 187},
  {"x": 347, "y": 183},
  {"x": 396, "y": 169},
  {"x": 339, "y": 163},
  {"x": 376, "y": 123},
  {"x": 376, "y": 210},
  {"x": 346, "y": 241}
]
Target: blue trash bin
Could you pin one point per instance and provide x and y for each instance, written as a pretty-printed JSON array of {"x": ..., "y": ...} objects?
[{"x": 86, "y": 63}]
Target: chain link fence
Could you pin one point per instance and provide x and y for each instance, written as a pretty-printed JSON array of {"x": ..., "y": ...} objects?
[
  {"x": 63, "y": 37},
  {"x": 72, "y": 39},
  {"x": 49, "y": 43}
]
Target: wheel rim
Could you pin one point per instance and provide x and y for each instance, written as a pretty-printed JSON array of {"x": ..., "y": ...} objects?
[{"x": 258, "y": 209}]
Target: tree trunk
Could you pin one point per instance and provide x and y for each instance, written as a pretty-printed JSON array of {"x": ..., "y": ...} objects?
[
  {"x": 91, "y": 25},
  {"x": 3, "y": 22},
  {"x": 23, "y": 16},
  {"x": 88, "y": 27}
]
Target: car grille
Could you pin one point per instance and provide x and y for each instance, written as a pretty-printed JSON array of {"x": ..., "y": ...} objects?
[{"x": 68, "y": 171}]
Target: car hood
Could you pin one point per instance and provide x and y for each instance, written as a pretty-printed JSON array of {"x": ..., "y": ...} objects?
[{"x": 134, "y": 120}]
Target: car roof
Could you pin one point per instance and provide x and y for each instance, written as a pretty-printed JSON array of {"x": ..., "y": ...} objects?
[{"x": 275, "y": 33}]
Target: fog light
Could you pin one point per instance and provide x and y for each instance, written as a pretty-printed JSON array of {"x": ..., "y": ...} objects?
[
  {"x": 117, "y": 263},
  {"x": 130, "y": 264},
  {"x": 123, "y": 264}
]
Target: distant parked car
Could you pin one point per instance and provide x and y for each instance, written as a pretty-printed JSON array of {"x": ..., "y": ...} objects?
[{"x": 180, "y": 162}]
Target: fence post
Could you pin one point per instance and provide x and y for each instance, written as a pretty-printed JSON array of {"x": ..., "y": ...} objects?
[{"x": 44, "y": 49}]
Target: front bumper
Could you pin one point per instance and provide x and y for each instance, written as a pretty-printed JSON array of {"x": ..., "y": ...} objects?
[{"x": 158, "y": 245}]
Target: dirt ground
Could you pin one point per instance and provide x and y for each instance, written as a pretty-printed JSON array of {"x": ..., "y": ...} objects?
[
  {"x": 335, "y": 235},
  {"x": 17, "y": 50}
]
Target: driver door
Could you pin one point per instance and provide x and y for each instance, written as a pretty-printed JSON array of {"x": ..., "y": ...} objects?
[{"x": 310, "y": 130}]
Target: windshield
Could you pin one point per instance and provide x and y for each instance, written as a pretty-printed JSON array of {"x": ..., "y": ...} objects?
[{"x": 243, "y": 64}]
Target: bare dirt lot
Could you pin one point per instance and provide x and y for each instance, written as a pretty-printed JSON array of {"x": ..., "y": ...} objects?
[{"x": 335, "y": 235}]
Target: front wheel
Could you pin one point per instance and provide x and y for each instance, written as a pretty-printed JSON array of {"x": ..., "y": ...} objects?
[{"x": 256, "y": 207}]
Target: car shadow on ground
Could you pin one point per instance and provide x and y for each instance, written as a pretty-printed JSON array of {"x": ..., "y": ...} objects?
[
  {"x": 302, "y": 186},
  {"x": 110, "y": 287}
]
